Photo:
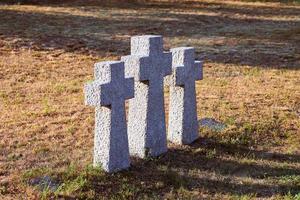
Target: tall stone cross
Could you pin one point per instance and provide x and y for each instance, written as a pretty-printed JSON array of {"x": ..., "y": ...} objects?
[
  {"x": 148, "y": 64},
  {"x": 108, "y": 93},
  {"x": 183, "y": 125}
]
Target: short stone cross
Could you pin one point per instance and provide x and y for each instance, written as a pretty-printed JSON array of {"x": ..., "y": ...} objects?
[
  {"x": 108, "y": 93},
  {"x": 183, "y": 125},
  {"x": 148, "y": 64}
]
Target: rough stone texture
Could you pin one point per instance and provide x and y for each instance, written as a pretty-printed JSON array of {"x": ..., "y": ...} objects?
[
  {"x": 183, "y": 125},
  {"x": 212, "y": 124},
  {"x": 148, "y": 64},
  {"x": 108, "y": 93}
]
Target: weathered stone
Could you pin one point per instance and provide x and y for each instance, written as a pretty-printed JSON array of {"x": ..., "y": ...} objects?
[
  {"x": 108, "y": 93},
  {"x": 44, "y": 182},
  {"x": 148, "y": 64},
  {"x": 183, "y": 125},
  {"x": 212, "y": 124}
]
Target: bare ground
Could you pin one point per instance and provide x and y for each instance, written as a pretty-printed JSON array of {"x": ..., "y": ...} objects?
[{"x": 252, "y": 84}]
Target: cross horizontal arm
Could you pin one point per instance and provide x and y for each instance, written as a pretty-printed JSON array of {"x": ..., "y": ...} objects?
[
  {"x": 92, "y": 93},
  {"x": 110, "y": 85},
  {"x": 137, "y": 67},
  {"x": 108, "y": 70},
  {"x": 176, "y": 78},
  {"x": 119, "y": 90},
  {"x": 180, "y": 75}
]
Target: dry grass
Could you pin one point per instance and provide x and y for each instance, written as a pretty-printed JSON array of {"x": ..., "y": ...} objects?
[{"x": 252, "y": 83}]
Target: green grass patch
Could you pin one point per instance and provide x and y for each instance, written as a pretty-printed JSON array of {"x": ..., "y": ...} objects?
[
  {"x": 268, "y": 132},
  {"x": 289, "y": 180},
  {"x": 47, "y": 108},
  {"x": 243, "y": 197}
]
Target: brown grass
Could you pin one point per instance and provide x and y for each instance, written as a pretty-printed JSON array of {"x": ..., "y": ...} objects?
[{"x": 252, "y": 83}]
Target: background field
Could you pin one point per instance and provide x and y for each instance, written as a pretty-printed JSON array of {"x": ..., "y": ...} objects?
[{"x": 252, "y": 84}]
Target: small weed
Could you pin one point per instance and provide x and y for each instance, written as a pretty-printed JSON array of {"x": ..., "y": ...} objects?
[
  {"x": 67, "y": 87},
  {"x": 289, "y": 180},
  {"x": 71, "y": 172},
  {"x": 18, "y": 98},
  {"x": 89, "y": 81},
  {"x": 223, "y": 82},
  {"x": 33, "y": 173},
  {"x": 290, "y": 196},
  {"x": 183, "y": 193},
  {"x": 72, "y": 129},
  {"x": 254, "y": 71},
  {"x": 46, "y": 193},
  {"x": 75, "y": 87},
  {"x": 91, "y": 171},
  {"x": 230, "y": 121},
  {"x": 243, "y": 197},
  {"x": 47, "y": 109},
  {"x": 30, "y": 113},
  {"x": 59, "y": 88},
  {"x": 77, "y": 180},
  {"x": 126, "y": 191},
  {"x": 4, "y": 97},
  {"x": 211, "y": 153},
  {"x": 77, "y": 185},
  {"x": 3, "y": 189},
  {"x": 42, "y": 150},
  {"x": 14, "y": 156}
]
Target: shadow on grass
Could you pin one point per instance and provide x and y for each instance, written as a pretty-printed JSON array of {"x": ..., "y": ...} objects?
[
  {"x": 241, "y": 41},
  {"x": 240, "y": 151},
  {"x": 187, "y": 169},
  {"x": 225, "y": 7}
]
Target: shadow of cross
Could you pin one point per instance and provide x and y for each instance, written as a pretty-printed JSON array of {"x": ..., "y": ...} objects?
[
  {"x": 183, "y": 125},
  {"x": 108, "y": 93},
  {"x": 148, "y": 64}
]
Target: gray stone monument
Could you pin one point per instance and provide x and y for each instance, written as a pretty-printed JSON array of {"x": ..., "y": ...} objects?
[
  {"x": 108, "y": 93},
  {"x": 148, "y": 64},
  {"x": 183, "y": 125}
]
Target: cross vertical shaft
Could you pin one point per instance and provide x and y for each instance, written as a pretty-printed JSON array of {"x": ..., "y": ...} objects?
[
  {"x": 148, "y": 64},
  {"x": 108, "y": 93},
  {"x": 183, "y": 124}
]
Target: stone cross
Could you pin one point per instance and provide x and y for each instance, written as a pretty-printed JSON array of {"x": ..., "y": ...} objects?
[
  {"x": 108, "y": 93},
  {"x": 183, "y": 125},
  {"x": 148, "y": 64}
]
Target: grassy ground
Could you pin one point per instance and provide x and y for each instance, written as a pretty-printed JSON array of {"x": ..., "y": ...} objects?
[{"x": 252, "y": 83}]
